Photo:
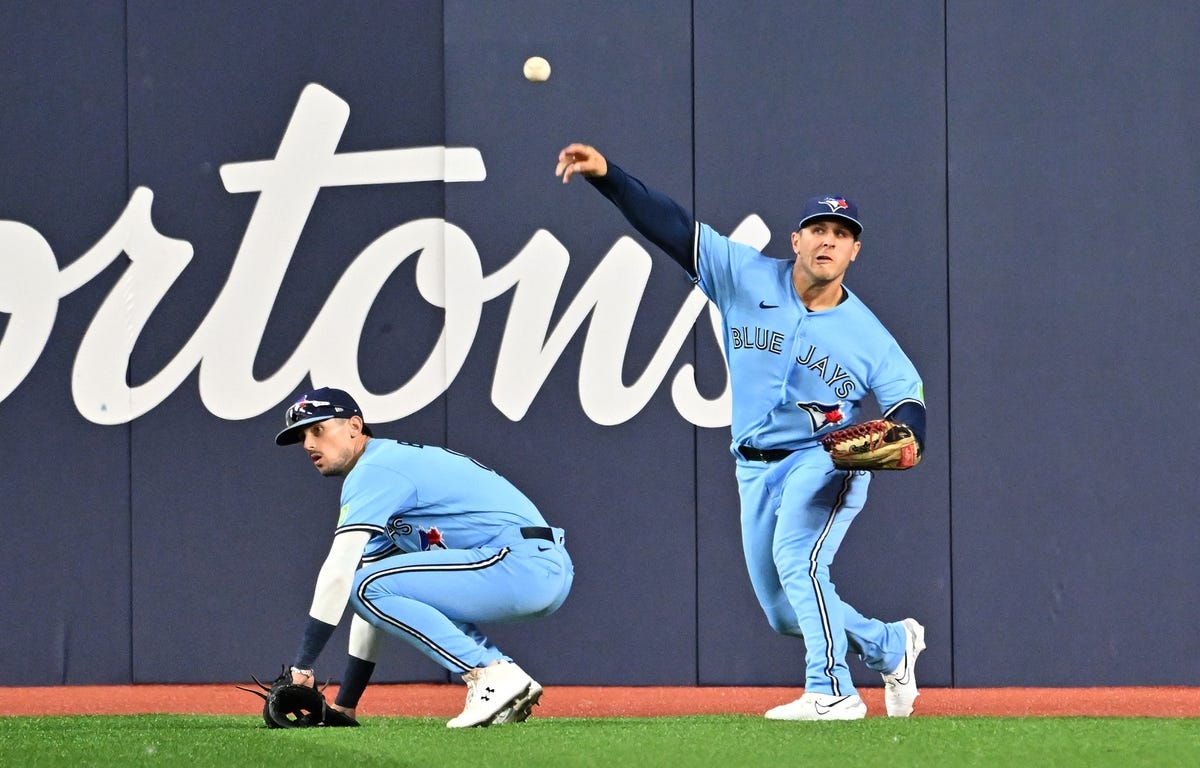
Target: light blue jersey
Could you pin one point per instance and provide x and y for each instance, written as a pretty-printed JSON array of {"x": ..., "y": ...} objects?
[
  {"x": 452, "y": 543},
  {"x": 429, "y": 543},
  {"x": 795, "y": 374},
  {"x": 412, "y": 498}
]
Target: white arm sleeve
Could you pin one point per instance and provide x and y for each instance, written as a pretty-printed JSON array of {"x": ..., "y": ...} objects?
[
  {"x": 337, "y": 576},
  {"x": 364, "y": 639}
]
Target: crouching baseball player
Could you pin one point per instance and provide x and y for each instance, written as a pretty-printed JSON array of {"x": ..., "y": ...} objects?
[{"x": 429, "y": 543}]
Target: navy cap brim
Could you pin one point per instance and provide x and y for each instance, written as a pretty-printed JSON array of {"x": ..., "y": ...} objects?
[
  {"x": 292, "y": 434},
  {"x": 854, "y": 223}
]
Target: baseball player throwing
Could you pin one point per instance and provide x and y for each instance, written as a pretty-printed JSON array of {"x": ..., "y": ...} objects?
[
  {"x": 803, "y": 352},
  {"x": 428, "y": 543}
]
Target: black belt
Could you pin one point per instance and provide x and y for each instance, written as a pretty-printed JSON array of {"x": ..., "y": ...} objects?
[
  {"x": 535, "y": 532},
  {"x": 770, "y": 454}
]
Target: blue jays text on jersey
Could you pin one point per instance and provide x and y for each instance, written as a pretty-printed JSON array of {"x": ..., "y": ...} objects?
[
  {"x": 763, "y": 339},
  {"x": 838, "y": 379},
  {"x": 789, "y": 383}
]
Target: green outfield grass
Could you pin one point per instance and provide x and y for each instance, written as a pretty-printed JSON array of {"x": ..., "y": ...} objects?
[{"x": 727, "y": 741}]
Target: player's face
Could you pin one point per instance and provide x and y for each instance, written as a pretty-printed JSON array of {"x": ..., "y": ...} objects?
[
  {"x": 332, "y": 445},
  {"x": 824, "y": 250}
]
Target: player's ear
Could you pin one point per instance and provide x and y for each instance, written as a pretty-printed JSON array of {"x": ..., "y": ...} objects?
[{"x": 856, "y": 249}]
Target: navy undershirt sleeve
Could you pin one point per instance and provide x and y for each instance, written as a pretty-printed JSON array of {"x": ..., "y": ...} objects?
[
  {"x": 316, "y": 635},
  {"x": 354, "y": 681},
  {"x": 660, "y": 219},
  {"x": 912, "y": 415},
  {"x": 671, "y": 227}
]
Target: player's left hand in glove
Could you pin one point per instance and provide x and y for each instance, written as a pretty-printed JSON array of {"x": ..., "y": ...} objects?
[
  {"x": 878, "y": 444},
  {"x": 291, "y": 705}
]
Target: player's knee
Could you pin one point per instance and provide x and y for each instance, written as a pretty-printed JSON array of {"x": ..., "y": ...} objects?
[
  {"x": 364, "y": 590},
  {"x": 784, "y": 625},
  {"x": 783, "y": 620}
]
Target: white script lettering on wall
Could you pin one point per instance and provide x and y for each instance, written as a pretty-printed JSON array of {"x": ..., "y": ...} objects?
[{"x": 448, "y": 276}]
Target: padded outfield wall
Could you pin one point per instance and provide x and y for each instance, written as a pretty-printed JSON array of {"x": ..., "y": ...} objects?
[{"x": 205, "y": 207}]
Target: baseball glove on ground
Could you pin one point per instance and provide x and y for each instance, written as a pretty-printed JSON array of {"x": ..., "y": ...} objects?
[
  {"x": 288, "y": 705},
  {"x": 878, "y": 444}
]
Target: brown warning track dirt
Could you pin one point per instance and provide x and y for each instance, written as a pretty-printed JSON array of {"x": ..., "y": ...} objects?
[{"x": 446, "y": 700}]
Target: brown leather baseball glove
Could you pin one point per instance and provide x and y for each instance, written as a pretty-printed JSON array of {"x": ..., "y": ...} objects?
[{"x": 878, "y": 444}]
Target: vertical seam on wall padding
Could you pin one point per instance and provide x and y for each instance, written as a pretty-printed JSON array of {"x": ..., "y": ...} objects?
[
  {"x": 695, "y": 360},
  {"x": 449, "y": 676},
  {"x": 129, "y": 425},
  {"x": 949, "y": 346},
  {"x": 445, "y": 218}
]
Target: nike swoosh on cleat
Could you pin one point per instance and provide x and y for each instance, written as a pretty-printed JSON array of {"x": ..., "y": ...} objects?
[
  {"x": 823, "y": 710},
  {"x": 765, "y": 305}
]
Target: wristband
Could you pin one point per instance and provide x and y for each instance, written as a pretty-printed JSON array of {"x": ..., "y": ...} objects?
[{"x": 316, "y": 635}]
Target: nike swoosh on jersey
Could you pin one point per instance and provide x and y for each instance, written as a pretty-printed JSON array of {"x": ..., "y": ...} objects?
[{"x": 764, "y": 305}]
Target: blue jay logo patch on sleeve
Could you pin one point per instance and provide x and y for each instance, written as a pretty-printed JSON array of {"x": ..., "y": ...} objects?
[{"x": 430, "y": 539}]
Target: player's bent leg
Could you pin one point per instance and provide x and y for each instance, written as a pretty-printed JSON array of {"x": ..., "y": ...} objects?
[
  {"x": 758, "y": 536},
  {"x": 900, "y": 685},
  {"x": 424, "y": 627},
  {"x": 879, "y": 644},
  {"x": 481, "y": 639},
  {"x": 890, "y": 649},
  {"x": 433, "y": 599},
  {"x": 816, "y": 509},
  {"x": 474, "y": 585},
  {"x": 409, "y": 596}
]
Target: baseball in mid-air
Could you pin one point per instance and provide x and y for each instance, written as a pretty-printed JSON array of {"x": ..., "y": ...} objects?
[{"x": 537, "y": 69}]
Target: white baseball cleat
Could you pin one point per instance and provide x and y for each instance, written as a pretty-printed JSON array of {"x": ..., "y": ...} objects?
[
  {"x": 821, "y": 706},
  {"x": 520, "y": 710},
  {"x": 900, "y": 687},
  {"x": 493, "y": 689}
]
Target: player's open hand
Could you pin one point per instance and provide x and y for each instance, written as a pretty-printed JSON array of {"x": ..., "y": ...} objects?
[{"x": 582, "y": 159}]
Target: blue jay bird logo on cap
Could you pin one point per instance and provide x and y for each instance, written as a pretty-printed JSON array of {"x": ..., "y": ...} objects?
[
  {"x": 835, "y": 203},
  {"x": 304, "y": 408},
  {"x": 822, "y": 414}
]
